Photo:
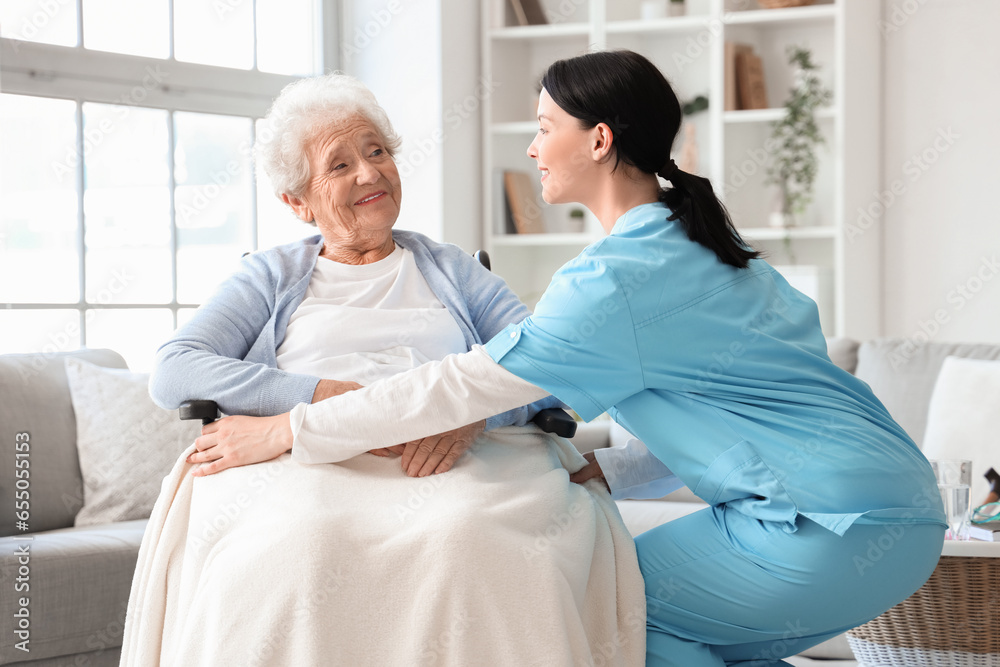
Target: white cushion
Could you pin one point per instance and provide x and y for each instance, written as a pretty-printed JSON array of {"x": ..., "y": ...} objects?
[
  {"x": 126, "y": 443},
  {"x": 963, "y": 420},
  {"x": 642, "y": 515},
  {"x": 902, "y": 374},
  {"x": 684, "y": 495}
]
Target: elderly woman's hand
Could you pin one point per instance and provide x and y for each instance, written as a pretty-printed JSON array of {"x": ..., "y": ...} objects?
[
  {"x": 437, "y": 453},
  {"x": 239, "y": 441},
  {"x": 330, "y": 388}
]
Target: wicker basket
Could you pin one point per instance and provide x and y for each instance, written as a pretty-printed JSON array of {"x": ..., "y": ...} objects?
[
  {"x": 952, "y": 621},
  {"x": 779, "y": 4}
]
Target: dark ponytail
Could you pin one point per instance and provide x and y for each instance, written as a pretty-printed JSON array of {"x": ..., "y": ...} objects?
[{"x": 628, "y": 93}]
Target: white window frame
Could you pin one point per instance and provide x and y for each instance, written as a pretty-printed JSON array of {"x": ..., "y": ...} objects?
[{"x": 84, "y": 75}]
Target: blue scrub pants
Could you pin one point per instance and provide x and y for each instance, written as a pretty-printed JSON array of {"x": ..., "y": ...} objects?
[{"x": 723, "y": 588}]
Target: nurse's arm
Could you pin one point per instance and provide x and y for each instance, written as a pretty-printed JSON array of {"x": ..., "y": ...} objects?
[{"x": 430, "y": 399}]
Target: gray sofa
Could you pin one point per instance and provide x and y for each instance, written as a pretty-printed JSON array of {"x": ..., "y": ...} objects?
[{"x": 79, "y": 578}]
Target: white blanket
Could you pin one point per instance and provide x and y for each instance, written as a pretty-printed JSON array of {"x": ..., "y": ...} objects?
[{"x": 500, "y": 561}]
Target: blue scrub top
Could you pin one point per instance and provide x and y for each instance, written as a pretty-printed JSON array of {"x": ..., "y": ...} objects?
[{"x": 723, "y": 373}]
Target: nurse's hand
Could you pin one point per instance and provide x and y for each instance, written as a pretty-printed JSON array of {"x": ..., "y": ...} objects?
[
  {"x": 240, "y": 441},
  {"x": 386, "y": 451},
  {"x": 589, "y": 471},
  {"x": 437, "y": 453}
]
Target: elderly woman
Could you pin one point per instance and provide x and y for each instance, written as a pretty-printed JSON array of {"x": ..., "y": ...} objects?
[{"x": 290, "y": 563}]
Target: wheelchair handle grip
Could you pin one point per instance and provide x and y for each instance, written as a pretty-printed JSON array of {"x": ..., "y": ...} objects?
[
  {"x": 555, "y": 420},
  {"x": 206, "y": 411}
]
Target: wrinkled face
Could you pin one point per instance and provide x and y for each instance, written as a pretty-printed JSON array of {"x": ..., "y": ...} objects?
[
  {"x": 561, "y": 149},
  {"x": 354, "y": 187}
]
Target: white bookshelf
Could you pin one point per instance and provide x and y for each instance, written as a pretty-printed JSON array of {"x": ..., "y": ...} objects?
[{"x": 689, "y": 50}]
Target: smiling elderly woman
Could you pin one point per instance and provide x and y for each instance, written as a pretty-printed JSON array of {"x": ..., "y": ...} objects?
[
  {"x": 358, "y": 303},
  {"x": 285, "y": 562}
]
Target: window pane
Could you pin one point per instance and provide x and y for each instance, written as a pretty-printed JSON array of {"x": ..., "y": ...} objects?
[
  {"x": 276, "y": 224},
  {"x": 276, "y": 51},
  {"x": 135, "y": 27},
  {"x": 46, "y": 331},
  {"x": 38, "y": 217},
  {"x": 212, "y": 200},
  {"x": 126, "y": 205},
  {"x": 43, "y": 21},
  {"x": 133, "y": 333},
  {"x": 214, "y": 33}
]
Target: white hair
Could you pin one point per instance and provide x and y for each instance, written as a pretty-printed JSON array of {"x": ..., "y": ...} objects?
[{"x": 304, "y": 109}]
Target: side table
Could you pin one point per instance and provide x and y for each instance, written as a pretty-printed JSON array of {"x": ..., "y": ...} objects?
[{"x": 952, "y": 621}]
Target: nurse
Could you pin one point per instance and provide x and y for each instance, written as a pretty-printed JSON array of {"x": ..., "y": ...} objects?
[{"x": 823, "y": 513}]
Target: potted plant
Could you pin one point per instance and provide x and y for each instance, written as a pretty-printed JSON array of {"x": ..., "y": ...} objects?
[
  {"x": 699, "y": 103},
  {"x": 793, "y": 163}
]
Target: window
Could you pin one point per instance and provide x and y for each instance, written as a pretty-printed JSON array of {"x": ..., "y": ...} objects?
[{"x": 126, "y": 179}]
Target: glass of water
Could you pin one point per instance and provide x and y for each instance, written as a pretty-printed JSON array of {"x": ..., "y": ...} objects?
[{"x": 954, "y": 478}]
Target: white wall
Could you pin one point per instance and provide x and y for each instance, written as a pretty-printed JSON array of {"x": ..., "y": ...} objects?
[
  {"x": 941, "y": 142},
  {"x": 392, "y": 46},
  {"x": 464, "y": 94},
  {"x": 421, "y": 59}
]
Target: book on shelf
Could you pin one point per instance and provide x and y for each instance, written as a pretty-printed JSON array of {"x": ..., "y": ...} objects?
[
  {"x": 522, "y": 203},
  {"x": 988, "y": 532},
  {"x": 529, "y": 12},
  {"x": 731, "y": 94},
  {"x": 744, "y": 78}
]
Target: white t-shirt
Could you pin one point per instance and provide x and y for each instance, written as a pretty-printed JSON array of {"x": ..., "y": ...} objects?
[{"x": 365, "y": 322}]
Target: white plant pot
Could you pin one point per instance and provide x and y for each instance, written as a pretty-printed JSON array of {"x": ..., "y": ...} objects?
[
  {"x": 654, "y": 9},
  {"x": 780, "y": 220}
]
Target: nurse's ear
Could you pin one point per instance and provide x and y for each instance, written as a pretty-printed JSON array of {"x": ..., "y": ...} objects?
[{"x": 601, "y": 141}]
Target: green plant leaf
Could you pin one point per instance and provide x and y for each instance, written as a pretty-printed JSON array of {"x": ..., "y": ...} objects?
[{"x": 793, "y": 164}]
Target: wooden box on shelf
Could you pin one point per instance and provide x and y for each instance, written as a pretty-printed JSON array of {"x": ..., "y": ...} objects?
[
  {"x": 528, "y": 12},
  {"x": 781, "y": 4},
  {"x": 522, "y": 203},
  {"x": 745, "y": 87}
]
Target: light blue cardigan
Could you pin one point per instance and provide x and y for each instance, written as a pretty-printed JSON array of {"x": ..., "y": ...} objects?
[{"x": 226, "y": 352}]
